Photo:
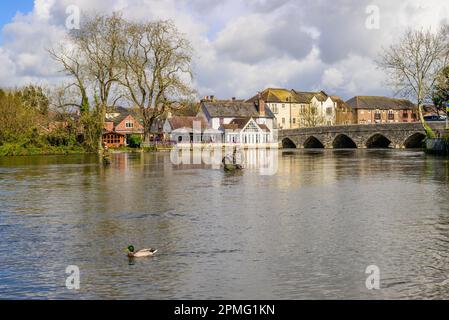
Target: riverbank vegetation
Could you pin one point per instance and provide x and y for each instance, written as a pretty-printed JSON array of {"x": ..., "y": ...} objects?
[
  {"x": 28, "y": 125},
  {"x": 107, "y": 62}
]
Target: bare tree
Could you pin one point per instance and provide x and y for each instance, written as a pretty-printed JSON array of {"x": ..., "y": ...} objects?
[
  {"x": 156, "y": 62},
  {"x": 73, "y": 67},
  {"x": 309, "y": 117},
  {"x": 92, "y": 62},
  {"x": 414, "y": 63}
]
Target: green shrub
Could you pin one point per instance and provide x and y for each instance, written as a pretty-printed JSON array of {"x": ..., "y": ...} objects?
[
  {"x": 134, "y": 141},
  {"x": 61, "y": 137}
]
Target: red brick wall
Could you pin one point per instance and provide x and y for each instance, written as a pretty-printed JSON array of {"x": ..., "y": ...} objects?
[
  {"x": 367, "y": 116},
  {"x": 109, "y": 126},
  {"x": 121, "y": 127}
]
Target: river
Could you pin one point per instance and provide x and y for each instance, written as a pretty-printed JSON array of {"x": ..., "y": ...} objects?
[{"x": 308, "y": 230}]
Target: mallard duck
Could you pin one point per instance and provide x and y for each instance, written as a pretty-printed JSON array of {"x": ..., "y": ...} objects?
[{"x": 141, "y": 253}]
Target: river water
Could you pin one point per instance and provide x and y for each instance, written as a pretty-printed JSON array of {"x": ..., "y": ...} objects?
[{"x": 308, "y": 230}]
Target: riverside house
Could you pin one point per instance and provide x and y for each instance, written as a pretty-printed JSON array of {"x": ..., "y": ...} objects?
[
  {"x": 248, "y": 123},
  {"x": 283, "y": 105},
  {"x": 293, "y": 108},
  {"x": 184, "y": 129},
  {"x": 120, "y": 123},
  {"x": 378, "y": 109},
  {"x": 318, "y": 103}
]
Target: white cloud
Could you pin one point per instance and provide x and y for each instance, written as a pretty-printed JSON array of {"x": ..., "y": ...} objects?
[
  {"x": 332, "y": 78},
  {"x": 240, "y": 47}
]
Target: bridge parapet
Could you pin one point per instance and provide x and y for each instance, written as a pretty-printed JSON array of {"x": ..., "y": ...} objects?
[{"x": 397, "y": 135}]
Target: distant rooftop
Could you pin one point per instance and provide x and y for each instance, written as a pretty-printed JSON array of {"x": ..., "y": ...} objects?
[
  {"x": 379, "y": 102},
  {"x": 233, "y": 109}
]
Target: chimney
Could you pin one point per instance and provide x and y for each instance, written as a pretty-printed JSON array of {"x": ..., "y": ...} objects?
[
  {"x": 261, "y": 104},
  {"x": 233, "y": 99},
  {"x": 212, "y": 98}
]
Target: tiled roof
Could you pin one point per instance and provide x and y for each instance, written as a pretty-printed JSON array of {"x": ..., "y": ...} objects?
[
  {"x": 187, "y": 122},
  {"x": 272, "y": 95},
  {"x": 306, "y": 97},
  {"x": 340, "y": 102},
  {"x": 239, "y": 124},
  {"x": 122, "y": 114},
  {"x": 236, "y": 109},
  {"x": 378, "y": 102}
]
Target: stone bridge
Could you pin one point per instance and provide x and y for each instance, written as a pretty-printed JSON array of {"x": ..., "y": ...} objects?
[{"x": 391, "y": 135}]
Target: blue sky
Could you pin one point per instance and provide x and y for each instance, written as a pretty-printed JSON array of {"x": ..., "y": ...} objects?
[{"x": 9, "y": 8}]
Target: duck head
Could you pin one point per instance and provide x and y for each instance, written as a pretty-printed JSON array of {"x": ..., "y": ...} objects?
[{"x": 130, "y": 251}]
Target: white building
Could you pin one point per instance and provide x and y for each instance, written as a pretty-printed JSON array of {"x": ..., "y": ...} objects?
[
  {"x": 249, "y": 123},
  {"x": 326, "y": 108},
  {"x": 186, "y": 130},
  {"x": 295, "y": 109},
  {"x": 246, "y": 131}
]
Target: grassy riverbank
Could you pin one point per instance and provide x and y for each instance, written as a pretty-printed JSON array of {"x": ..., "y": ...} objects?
[
  {"x": 14, "y": 149},
  {"x": 17, "y": 149}
]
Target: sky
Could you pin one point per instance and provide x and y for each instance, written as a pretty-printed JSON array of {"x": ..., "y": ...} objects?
[{"x": 241, "y": 47}]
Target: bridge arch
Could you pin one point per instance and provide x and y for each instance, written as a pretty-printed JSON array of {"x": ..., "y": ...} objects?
[
  {"x": 415, "y": 141},
  {"x": 378, "y": 140},
  {"x": 313, "y": 143},
  {"x": 342, "y": 141},
  {"x": 287, "y": 143}
]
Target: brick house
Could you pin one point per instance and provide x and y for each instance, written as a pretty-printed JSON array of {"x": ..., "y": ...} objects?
[
  {"x": 377, "y": 109},
  {"x": 120, "y": 124}
]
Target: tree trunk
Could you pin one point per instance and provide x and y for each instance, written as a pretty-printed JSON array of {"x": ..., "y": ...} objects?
[
  {"x": 147, "y": 125},
  {"x": 429, "y": 132},
  {"x": 102, "y": 116}
]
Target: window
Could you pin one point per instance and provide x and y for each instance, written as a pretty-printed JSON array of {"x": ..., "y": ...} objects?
[
  {"x": 390, "y": 115},
  {"x": 405, "y": 114},
  {"x": 283, "y": 106},
  {"x": 329, "y": 111},
  {"x": 294, "y": 120},
  {"x": 252, "y": 127},
  {"x": 377, "y": 115},
  {"x": 129, "y": 124},
  {"x": 283, "y": 120},
  {"x": 111, "y": 139}
]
